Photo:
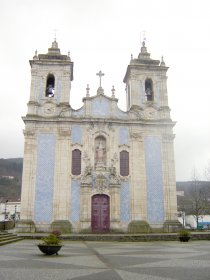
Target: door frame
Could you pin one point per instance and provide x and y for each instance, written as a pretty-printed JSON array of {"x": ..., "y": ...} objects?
[{"x": 108, "y": 204}]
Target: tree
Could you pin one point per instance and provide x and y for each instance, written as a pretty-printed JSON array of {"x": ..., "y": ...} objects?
[{"x": 198, "y": 200}]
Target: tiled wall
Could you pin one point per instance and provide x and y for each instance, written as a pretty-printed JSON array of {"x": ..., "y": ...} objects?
[
  {"x": 100, "y": 107},
  {"x": 76, "y": 134},
  {"x": 75, "y": 201},
  {"x": 44, "y": 178},
  {"x": 155, "y": 199},
  {"x": 125, "y": 202},
  {"x": 123, "y": 135}
]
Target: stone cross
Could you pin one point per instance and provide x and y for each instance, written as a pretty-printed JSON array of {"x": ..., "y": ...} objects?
[{"x": 100, "y": 74}]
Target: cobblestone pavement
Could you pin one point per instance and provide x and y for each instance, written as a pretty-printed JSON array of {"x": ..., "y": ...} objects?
[{"x": 107, "y": 261}]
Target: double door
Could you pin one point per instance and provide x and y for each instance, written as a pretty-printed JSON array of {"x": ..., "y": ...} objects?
[{"x": 100, "y": 214}]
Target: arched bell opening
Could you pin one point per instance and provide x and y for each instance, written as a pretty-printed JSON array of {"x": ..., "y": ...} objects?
[
  {"x": 50, "y": 86},
  {"x": 149, "y": 90}
]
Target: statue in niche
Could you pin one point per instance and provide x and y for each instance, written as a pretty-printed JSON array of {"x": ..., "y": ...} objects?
[{"x": 100, "y": 152}]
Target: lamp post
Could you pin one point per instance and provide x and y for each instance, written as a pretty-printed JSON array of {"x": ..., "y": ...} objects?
[
  {"x": 15, "y": 214},
  {"x": 5, "y": 214}
]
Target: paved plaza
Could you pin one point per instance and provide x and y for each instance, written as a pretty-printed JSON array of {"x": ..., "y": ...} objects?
[{"x": 171, "y": 260}]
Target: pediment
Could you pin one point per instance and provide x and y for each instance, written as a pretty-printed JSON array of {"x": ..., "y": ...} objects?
[{"x": 100, "y": 106}]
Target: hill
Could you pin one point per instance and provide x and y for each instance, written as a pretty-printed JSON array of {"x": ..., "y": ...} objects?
[{"x": 10, "y": 178}]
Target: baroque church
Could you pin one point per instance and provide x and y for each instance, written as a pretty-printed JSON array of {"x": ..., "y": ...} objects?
[{"x": 98, "y": 169}]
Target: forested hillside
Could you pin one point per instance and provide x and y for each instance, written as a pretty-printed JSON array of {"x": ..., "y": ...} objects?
[{"x": 10, "y": 178}]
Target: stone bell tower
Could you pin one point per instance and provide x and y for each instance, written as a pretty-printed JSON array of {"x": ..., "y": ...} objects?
[
  {"x": 51, "y": 76},
  {"x": 45, "y": 149},
  {"x": 146, "y": 96},
  {"x": 146, "y": 82}
]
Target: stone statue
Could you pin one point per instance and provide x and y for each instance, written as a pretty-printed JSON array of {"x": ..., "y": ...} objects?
[{"x": 100, "y": 152}]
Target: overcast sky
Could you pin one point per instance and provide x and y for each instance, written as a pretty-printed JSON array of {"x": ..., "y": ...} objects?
[{"x": 102, "y": 35}]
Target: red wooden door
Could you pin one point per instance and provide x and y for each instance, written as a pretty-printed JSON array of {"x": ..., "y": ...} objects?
[{"x": 100, "y": 221}]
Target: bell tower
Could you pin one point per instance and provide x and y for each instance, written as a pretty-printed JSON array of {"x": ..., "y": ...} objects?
[
  {"x": 145, "y": 81},
  {"x": 51, "y": 76}
]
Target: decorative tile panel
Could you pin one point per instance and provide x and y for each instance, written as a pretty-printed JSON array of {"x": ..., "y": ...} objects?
[
  {"x": 125, "y": 202},
  {"x": 123, "y": 136},
  {"x": 44, "y": 178},
  {"x": 75, "y": 201},
  {"x": 100, "y": 107},
  {"x": 155, "y": 199},
  {"x": 76, "y": 134}
]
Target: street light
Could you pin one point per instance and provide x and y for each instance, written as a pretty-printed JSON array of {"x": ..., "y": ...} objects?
[
  {"x": 5, "y": 214},
  {"x": 15, "y": 214}
]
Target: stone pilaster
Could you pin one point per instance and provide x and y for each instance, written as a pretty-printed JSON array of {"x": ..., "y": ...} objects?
[{"x": 61, "y": 199}]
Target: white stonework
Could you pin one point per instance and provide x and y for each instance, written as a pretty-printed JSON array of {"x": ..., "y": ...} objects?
[{"x": 100, "y": 131}]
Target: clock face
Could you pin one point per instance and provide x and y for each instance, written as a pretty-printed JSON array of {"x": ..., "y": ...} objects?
[{"x": 49, "y": 109}]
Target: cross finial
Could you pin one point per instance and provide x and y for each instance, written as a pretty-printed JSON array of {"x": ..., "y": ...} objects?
[
  {"x": 113, "y": 92},
  {"x": 87, "y": 89},
  {"x": 55, "y": 31},
  {"x": 100, "y": 74}
]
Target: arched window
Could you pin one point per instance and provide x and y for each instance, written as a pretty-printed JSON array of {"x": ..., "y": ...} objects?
[
  {"x": 124, "y": 163},
  {"x": 76, "y": 162},
  {"x": 50, "y": 86},
  {"x": 149, "y": 90}
]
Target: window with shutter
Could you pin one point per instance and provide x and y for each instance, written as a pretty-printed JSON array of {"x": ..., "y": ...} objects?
[
  {"x": 76, "y": 162},
  {"x": 124, "y": 163}
]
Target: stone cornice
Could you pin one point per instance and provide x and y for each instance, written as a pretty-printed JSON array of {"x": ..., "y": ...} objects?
[{"x": 60, "y": 120}]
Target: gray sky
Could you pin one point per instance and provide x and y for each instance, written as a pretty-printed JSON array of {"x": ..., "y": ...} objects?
[{"x": 102, "y": 35}]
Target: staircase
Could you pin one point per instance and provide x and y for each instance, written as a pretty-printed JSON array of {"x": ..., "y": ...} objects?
[{"x": 6, "y": 238}]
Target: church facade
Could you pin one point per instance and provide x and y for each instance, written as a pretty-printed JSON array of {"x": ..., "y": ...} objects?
[{"x": 98, "y": 169}]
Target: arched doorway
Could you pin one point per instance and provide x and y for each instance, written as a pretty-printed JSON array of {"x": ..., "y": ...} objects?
[{"x": 100, "y": 220}]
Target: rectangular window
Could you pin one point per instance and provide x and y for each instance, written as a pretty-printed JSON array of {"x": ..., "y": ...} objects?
[
  {"x": 124, "y": 163},
  {"x": 76, "y": 162}
]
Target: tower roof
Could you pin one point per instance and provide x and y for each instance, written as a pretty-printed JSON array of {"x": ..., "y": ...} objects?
[
  {"x": 53, "y": 53},
  {"x": 54, "y": 48},
  {"x": 144, "y": 56},
  {"x": 144, "y": 62}
]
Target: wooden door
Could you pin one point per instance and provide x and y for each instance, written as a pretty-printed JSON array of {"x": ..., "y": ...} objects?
[{"x": 100, "y": 221}]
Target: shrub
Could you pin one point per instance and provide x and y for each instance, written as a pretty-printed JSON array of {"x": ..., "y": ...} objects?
[
  {"x": 52, "y": 239},
  {"x": 184, "y": 232}
]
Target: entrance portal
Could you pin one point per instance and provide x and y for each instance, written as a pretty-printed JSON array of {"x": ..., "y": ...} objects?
[{"x": 100, "y": 221}]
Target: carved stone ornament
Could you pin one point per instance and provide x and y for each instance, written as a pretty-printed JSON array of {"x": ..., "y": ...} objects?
[
  {"x": 137, "y": 112},
  {"x": 64, "y": 131},
  {"x": 136, "y": 136},
  {"x": 124, "y": 147},
  {"x": 100, "y": 181},
  {"x": 29, "y": 132},
  {"x": 48, "y": 109},
  {"x": 150, "y": 113}
]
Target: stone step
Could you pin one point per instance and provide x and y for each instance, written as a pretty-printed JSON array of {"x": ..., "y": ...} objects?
[
  {"x": 10, "y": 241},
  {"x": 6, "y": 238}
]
